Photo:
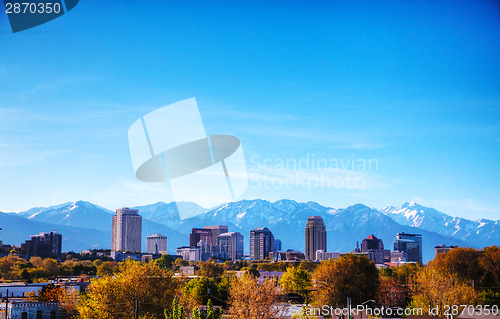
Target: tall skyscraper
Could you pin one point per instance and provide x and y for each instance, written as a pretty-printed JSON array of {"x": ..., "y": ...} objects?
[
  {"x": 411, "y": 244},
  {"x": 230, "y": 245},
  {"x": 126, "y": 230},
  {"x": 156, "y": 244},
  {"x": 315, "y": 236},
  {"x": 261, "y": 243}
]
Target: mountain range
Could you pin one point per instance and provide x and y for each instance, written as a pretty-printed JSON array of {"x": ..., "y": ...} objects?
[{"x": 85, "y": 225}]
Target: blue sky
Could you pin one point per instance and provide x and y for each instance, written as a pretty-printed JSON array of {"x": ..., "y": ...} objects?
[{"x": 414, "y": 85}]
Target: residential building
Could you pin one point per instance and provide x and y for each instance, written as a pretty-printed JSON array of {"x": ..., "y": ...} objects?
[
  {"x": 45, "y": 244},
  {"x": 261, "y": 243},
  {"x": 411, "y": 244},
  {"x": 315, "y": 236},
  {"x": 230, "y": 246},
  {"x": 126, "y": 230},
  {"x": 156, "y": 244}
]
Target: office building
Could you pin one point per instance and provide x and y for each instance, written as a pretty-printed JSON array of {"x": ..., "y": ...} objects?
[
  {"x": 399, "y": 257},
  {"x": 216, "y": 231},
  {"x": 323, "y": 255},
  {"x": 43, "y": 245},
  {"x": 156, "y": 244},
  {"x": 126, "y": 230},
  {"x": 190, "y": 253},
  {"x": 277, "y": 245},
  {"x": 375, "y": 249},
  {"x": 289, "y": 255},
  {"x": 315, "y": 236},
  {"x": 411, "y": 244},
  {"x": 443, "y": 249},
  {"x": 230, "y": 246},
  {"x": 198, "y": 234},
  {"x": 261, "y": 243}
]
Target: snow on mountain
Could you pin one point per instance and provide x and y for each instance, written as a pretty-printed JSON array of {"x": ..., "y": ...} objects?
[
  {"x": 79, "y": 214},
  {"x": 168, "y": 214},
  {"x": 285, "y": 218},
  {"x": 86, "y": 215},
  {"x": 478, "y": 233},
  {"x": 16, "y": 229}
]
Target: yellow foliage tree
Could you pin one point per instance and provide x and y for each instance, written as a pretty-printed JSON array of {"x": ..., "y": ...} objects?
[
  {"x": 436, "y": 288},
  {"x": 144, "y": 288},
  {"x": 253, "y": 300}
]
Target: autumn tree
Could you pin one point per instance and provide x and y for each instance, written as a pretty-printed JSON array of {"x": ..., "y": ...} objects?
[
  {"x": 296, "y": 280},
  {"x": 348, "y": 276},
  {"x": 251, "y": 299},
  {"x": 460, "y": 262},
  {"x": 146, "y": 286},
  {"x": 490, "y": 262},
  {"x": 391, "y": 293},
  {"x": 394, "y": 287},
  {"x": 433, "y": 287},
  {"x": 107, "y": 268},
  {"x": 210, "y": 269}
]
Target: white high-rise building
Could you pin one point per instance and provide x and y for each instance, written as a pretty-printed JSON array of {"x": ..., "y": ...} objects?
[
  {"x": 156, "y": 244},
  {"x": 126, "y": 230}
]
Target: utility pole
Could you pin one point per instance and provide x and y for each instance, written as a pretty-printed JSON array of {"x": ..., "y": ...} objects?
[
  {"x": 7, "y": 305},
  {"x": 136, "y": 308}
]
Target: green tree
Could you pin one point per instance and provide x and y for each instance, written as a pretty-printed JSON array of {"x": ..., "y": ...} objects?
[
  {"x": 165, "y": 262},
  {"x": 211, "y": 313},
  {"x": 177, "y": 311},
  {"x": 296, "y": 280},
  {"x": 251, "y": 270},
  {"x": 196, "y": 313}
]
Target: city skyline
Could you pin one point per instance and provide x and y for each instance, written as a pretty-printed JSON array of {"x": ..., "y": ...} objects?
[{"x": 415, "y": 92}]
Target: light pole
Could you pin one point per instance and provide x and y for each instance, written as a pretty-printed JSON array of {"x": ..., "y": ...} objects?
[{"x": 364, "y": 303}]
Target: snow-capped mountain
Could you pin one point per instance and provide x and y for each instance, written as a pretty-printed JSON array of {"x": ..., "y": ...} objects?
[
  {"x": 480, "y": 233},
  {"x": 285, "y": 218},
  {"x": 80, "y": 214},
  {"x": 168, "y": 214}
]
